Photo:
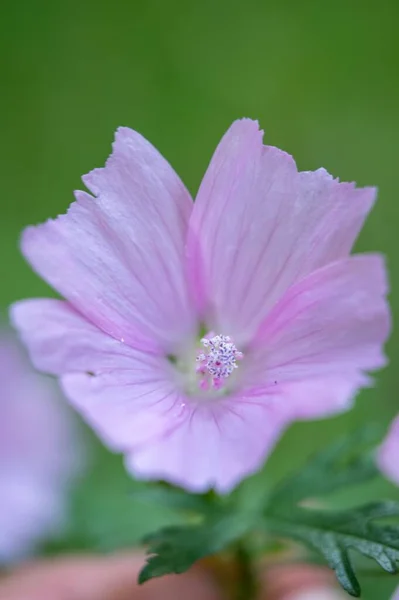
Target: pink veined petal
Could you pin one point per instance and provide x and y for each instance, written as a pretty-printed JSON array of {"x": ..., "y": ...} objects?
[
  {"x": 118, "y": 257},
  {"x": 127, "y": 409},
  {"x": 126, "y": 395},
  {"x": 334, "y": 322},
  {"x": 258, "y": 226},
  {"x": 319, "y": 398},
  {"x": 214, "y": 447},
  {"x": 60, "y": 340},
  {"x": 388, "y": 454}
]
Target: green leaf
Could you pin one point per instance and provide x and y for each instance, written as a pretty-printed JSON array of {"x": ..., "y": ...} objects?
[
  {"x": 176, "y": 549},
  {"x": 166, "y": 495},
  {"x": 344, "y": 463},
  {"x": 334, "y": 533}
]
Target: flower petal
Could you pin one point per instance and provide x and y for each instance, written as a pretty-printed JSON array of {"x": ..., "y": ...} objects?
[
  {"x": 319, "y": 398},
  {"x": 118, "y": 257},
  {"x": 31, "y": 509},
  {"x": 31, "y": 405},
  {"x": 126, "y": 409},
  {"x": 215, "y": 446},
  {"x": 60, "y": 340},
  {"x": 334, "y": 322},
  {"x": 41, "y": 453},
  {"x": 126, "y": 395},
  {"x": 388, "y": 455},
  {"x": 258, "y": 226}
]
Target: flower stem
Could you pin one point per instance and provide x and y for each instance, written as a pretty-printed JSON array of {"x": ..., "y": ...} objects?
[{"x": 246, "y": 586}]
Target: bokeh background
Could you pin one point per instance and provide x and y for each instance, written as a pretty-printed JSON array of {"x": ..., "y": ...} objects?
[{"x": 322, "y": 78}]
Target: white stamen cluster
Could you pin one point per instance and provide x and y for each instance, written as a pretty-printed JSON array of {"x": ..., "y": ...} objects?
[{"x": 217, "y": 362}]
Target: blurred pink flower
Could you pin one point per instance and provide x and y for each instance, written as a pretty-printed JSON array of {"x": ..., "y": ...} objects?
[
  {"x": 38, "y": 454},
  {"x": 388, "y": 454},
  {"x": 396, "y": 595},
  {"x": 193, "y": 334}
]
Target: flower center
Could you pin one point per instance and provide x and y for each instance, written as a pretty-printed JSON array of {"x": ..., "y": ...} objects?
[{"x": 217, "y": 361}]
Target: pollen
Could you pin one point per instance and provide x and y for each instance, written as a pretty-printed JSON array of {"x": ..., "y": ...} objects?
[{"x": 216, "y": 361}]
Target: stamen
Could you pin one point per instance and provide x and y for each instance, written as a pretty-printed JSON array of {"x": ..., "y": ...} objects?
[{"x": 218, "y": 361}]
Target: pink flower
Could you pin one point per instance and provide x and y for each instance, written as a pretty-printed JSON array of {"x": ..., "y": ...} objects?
[
  {"x": 192, "y": 334},
  {"x": 388, "y": 462},
  {"x": 38, "y": 455},
  {"x": 388, "y": 454}
]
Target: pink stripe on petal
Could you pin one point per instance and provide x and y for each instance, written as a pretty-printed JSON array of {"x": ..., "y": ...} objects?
[
  {"x": 118, "y": 257},
  {"x": 259, "y": 226},
  {"x": 214, "y": 447},
  {"x": 61, "y": 341},
  {"x": 125, "y": 410},
  {"x": 334, "y": 321},
  {"x": 126, "y": 395}
]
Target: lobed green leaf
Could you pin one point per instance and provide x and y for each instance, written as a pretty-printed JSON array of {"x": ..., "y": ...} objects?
[
  {"x": 334, "y": 533},
  {"x": 176, "y": 549}
]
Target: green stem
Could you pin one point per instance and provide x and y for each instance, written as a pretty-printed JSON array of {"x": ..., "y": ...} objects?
[{"x": 246, "y": 588}]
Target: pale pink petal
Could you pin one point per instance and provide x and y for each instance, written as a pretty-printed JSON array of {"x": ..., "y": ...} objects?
[
  {"x": 31, "y": 509},
  {"x": 35, "y": 404},
  {"x": 126, "y": 395},
  {"x": 61, "y": 341},
  {"x": 396, "y": 595},
  {"x": 118, "y": 257},
  {"x": 333, "y": 323},
  {"x": 388, "y": 454},
  {"x": 127, "y": 408},
  {"x": 215, "y": 447},
  {"x": 319, "y": 398},
  {"x": 258, "y": 227}
]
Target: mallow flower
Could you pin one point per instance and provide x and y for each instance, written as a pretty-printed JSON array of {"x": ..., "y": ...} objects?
[
  {"x": 40, "y": 454},
  {"x": 193, "y": 333}
]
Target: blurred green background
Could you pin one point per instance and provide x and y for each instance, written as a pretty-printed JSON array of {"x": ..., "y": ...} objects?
[{"x": 321, "y": 77}]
